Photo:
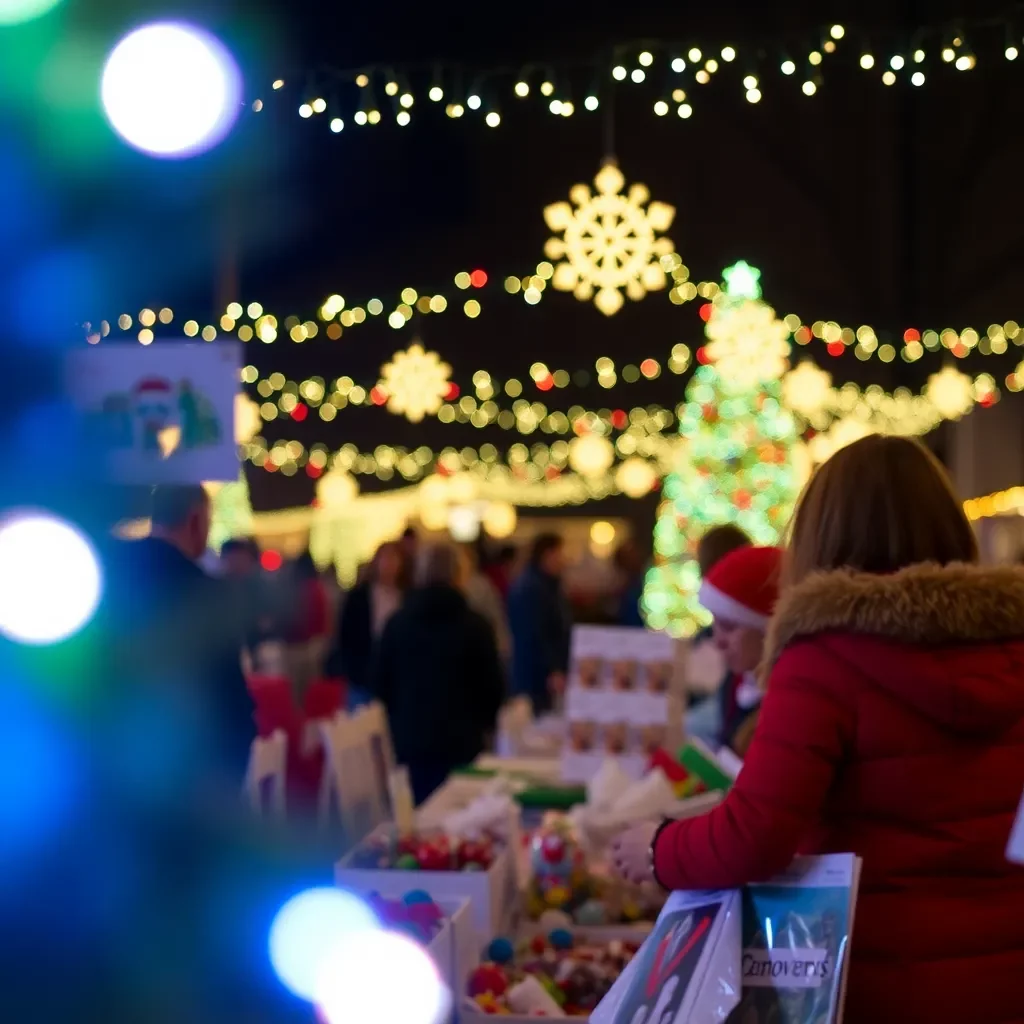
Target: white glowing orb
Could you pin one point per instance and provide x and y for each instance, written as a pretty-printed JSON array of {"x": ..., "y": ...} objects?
[
  {"x": 308, "y": 927},
  {"x": 14, "y": 12},
  {"x": 51, "y": 580},
  {"x": 171, "y": 89},
  {"x": 357, "y": 983}
]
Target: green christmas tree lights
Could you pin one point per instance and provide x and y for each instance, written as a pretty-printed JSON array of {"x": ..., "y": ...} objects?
[
  {"x": 230, "y": 512},
  {"x": 734, "y": 462}
]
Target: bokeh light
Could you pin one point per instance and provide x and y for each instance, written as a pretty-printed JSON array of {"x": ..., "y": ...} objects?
[
  {"x": 357, "y": 982},
  {"x": 171, "y": 90},
  {"x": 51, "y": 579},
  {"x": 308, "y": 928},
  {"x": 14, "y": 12}
]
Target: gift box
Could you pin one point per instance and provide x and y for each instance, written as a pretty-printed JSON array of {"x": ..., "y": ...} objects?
[{"x": 490, "y": 893}]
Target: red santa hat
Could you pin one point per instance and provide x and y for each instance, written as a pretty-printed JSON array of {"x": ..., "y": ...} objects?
[
  {"x": 744, "y": 586},
  {"x": 153, "y": 386}
]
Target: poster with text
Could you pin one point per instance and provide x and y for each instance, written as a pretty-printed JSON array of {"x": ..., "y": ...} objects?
[
  {"x": 797, "y": 930},
  {"x": 621, "y": 700},
  {"x": 158, "y": 414}
]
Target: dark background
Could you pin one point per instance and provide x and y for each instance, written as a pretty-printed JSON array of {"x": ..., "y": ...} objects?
[{"x": 893, "y": 207}]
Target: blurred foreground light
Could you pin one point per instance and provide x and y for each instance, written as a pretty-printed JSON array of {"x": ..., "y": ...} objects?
[
  {"x": 51, "y": 579},
  {"x": 14, "y": 12},
  {"x": 308, "y": 928},
  {"x": 171, "y": 90},
  {"x": 357, "y": 983}
]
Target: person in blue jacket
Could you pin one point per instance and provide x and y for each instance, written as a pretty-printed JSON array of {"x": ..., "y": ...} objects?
[{"x": 541, "y": 624}]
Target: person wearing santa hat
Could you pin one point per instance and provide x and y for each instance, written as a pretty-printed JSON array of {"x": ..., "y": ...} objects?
[{"x": 740, "y": 591}]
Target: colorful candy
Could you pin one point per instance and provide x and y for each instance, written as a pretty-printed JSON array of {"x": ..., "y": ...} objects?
[
  {"x": 425, "y": 852},
  {"x": 415, "y": 915},
  {"x": 548, "y": 976}
]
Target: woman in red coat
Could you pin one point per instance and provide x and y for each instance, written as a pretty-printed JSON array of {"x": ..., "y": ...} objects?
[{"x": 892, "y": 727}]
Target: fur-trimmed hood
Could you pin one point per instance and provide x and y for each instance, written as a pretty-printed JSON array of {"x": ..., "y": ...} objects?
[{"x": 939, "y": 635}]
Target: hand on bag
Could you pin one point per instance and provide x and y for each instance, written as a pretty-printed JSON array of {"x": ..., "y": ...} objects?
[
  {"x": 631, "y": 853},
  {"x": 556, "y": 682}
]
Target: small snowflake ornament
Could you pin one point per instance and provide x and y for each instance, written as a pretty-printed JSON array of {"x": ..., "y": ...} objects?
[
  {"x": 415, "y": 382},
  {"x": 608, "y": 241}
]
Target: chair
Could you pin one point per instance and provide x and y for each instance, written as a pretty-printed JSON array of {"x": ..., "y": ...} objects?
[
  {"x": 268, "y": 760},
  {"x": 349, "y": 778}
]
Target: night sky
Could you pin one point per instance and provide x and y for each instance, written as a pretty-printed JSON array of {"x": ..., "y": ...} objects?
[{"x": 893, "y": 207}]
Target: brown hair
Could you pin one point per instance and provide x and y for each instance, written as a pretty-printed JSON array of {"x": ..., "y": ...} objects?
[
  {"x": 404, "y": 580},
  {"x": 878, "y": 505},
  {"x": 718, "y": 542}
]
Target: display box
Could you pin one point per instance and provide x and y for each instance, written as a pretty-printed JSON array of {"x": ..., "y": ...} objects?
[
  {"x": 454, "y": 947},
  {"x": 491, "y": 893},
  {"x": 468, "y": 1013}
]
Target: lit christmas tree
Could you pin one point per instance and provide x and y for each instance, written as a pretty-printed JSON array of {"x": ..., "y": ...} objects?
[
  {"x": 230, "y": 512},
  {"x": 735, "y": 457}
]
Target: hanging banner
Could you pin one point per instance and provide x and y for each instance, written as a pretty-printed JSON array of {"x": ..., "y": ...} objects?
[{"x": 162, "y": 414}]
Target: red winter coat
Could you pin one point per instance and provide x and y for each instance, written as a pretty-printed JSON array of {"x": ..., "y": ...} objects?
[{"x": 892, "y": 727}]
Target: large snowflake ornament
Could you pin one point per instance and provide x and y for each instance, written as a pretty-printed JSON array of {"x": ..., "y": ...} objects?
[
  {"x": 608, "y": 241},
  {"x": 747, "y": 343},
  {"x": 415, "y": 383}
]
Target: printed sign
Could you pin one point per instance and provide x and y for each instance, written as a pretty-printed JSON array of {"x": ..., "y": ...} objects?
[
  {"x": 796, "y": 938},
  {"x": 786, "y": 968},
  {"x": 159, "y": 414},
  {"x": 620, "y": 701}
]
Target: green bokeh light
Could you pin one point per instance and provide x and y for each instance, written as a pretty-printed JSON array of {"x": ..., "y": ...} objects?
[{"x": 16, "y": 12}]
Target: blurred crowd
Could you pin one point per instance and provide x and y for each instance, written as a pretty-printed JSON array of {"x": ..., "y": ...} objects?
[{"x": 427, "y": 626}]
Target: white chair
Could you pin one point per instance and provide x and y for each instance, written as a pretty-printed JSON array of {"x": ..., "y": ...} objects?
[
  {"x": 349, "y": 779},
  {"x": 268, "y": 761}
]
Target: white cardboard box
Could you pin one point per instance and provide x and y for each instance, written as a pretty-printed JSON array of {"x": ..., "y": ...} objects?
[{"x": 491, "y": 894}]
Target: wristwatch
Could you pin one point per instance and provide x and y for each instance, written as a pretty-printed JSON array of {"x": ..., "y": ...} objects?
[{"x": 650, "y": 851}]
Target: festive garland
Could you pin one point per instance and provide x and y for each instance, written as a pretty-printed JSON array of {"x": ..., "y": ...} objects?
[{"x": 670, "y": 74}]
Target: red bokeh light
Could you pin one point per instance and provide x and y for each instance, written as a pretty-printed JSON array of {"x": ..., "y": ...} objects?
[
  {"x": 269, "y": 466},
  {"x": 453, "y": 392},
  {"x": 648, "y": 367},
  {"x": 378, "y": 396},
  {"x": 300, "y": 412},
  {"x": 835, "y": 348},
  {"x": 705, "y": 311},
  {"x": 313, "y": 471},
  {"x": 478, "y": 278},
  {"x": 911, "y": 334},
  {"x": 546, "y": 383},
  {"x": 271, "y": 560},
  {"x": 702, "y": 355},
  {"x": 619, "y": 419}
]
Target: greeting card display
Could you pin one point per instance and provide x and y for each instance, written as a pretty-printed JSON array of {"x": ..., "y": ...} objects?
[
  {"x": 620, "y": 701},
  {"x": 796, "y": 943},
  {"x": 160, "y": 414},
  {"x": 687, "y": 971}
]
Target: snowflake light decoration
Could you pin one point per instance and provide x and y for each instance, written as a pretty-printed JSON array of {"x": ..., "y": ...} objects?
[
  {"x": 746, "y": 342},
  {"x": 807, "y": 390},
  {"x": 951, "y": 392},
  {"x": 608, "y": 241},
  {"x": 415, "y": 383}
]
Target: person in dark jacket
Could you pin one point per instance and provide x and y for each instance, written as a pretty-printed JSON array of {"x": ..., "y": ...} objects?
[
  {"x": 173, "y": 635},
  {"x": 365, "y": 612},
  {"x": 438, "y": 673},
  {"x": 541, "y": 624},
  {"x": 892, "y": 727}
]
